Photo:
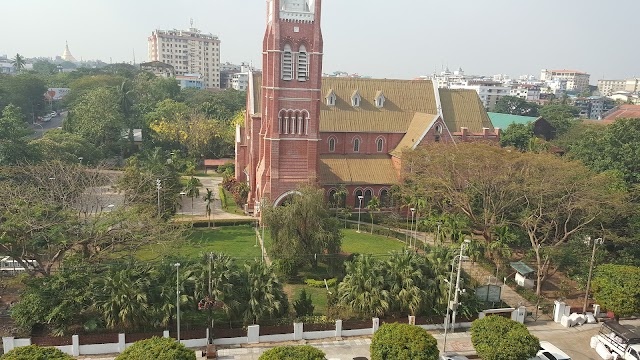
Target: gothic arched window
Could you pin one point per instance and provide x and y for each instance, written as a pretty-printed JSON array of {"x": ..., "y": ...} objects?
[
  {"x": 368, "y": 194},
  {"x": 380, "y": 144},
  {"x": 356, "y": 198},
  {"x": 332, "y": 144},
  {"x": 287, "y": 63},
  {"x": 356, "y": 145},
  {"x": 303, "y": 64}
]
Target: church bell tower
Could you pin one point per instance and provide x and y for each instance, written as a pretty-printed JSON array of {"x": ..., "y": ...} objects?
[{"x": 290, "y": 98}]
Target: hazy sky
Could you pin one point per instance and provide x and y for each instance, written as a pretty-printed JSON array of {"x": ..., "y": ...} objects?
[{"x": 381, "y": 38}]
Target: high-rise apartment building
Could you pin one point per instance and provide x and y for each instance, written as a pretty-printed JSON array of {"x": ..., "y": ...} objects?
[{"x": 189, "y": 52}]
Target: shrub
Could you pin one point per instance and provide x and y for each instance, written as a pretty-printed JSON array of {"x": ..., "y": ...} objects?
[
  {"x": 305, "y": 352},
  {"x": 157, "y": 348},
  {"x": 499, "y": 338},
  {"x": 320, "y": 283},
  {"x": 304, "y": 305},
  {"x": 35, "y": 352},
  {"x": 403, "y": 342}
]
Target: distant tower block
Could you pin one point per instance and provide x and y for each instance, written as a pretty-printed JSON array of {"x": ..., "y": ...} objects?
[{"x": 66, "y": 56}]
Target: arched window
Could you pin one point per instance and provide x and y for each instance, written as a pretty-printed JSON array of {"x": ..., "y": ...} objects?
[
  {"x": 332, "y": 198},
  {"x": 356, "y": 145},
  {"x": 332, "y": 144},
  {"x": 438, "y": 133},
  {"x": 380, "y": 144},
  {"x": 303, "y": 64},
  {"x": 368, "y": 194},
  {"x": 287, "y": 63},
  {"x": 384, "y": 198},
  {"x": 356, "y": 203}
]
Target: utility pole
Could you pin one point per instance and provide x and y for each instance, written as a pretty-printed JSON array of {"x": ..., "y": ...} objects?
[
  {"x": 158, "y": 187},
  {"x": 177, "y": 265},
  {"x": 210, "y": 299},
  {"x": 598, "y": 241}
]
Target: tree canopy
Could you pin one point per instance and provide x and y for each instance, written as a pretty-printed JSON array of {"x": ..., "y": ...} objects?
[
  {"x": 304, "y": 352},
  {"x": 499, "y": 338},
  {"x": 157, "y": 348},
  {"x": 516, "y": 106},
  {"x": 617, "y": 288},
  {"x": 403, "y": 342},
  {"x": 35, "y": 352}
]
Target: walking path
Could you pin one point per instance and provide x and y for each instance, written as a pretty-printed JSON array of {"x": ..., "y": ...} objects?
[{"x": 196, "y": 208}]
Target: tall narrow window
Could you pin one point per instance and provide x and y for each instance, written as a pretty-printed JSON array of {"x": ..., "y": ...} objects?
[
  {"x": 332, "y": 145},
  {"x": 356, "y": 199},
  {"x": 303, "y": 64},
  {"x": 356, "y": 145},
  {"x": 380, "y": 144},
  {"x": 368, "y": 194},
  {"x": 287, "y": 63}
]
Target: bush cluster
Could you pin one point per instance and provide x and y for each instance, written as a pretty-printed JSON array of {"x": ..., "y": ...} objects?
[
  {"x": 239, "y": 190},
  {"x": 157, "y": 348},
  {"x": 35, "y": 352},
  {"x": 403, "y": 342},
  {"x": 305, "y": 352},
  {"x": 320, "y": 283}
]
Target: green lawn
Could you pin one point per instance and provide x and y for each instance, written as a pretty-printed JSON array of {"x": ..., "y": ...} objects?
[
  {"x": 365, "y": 243},
  {"x": 230, "y": 205},
  {"x": 235, "y": 241},
  {"x": 318, "y": 296}
]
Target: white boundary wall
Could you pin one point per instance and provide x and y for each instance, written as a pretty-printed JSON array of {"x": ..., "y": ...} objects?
[{"x": 253, "y": 331}]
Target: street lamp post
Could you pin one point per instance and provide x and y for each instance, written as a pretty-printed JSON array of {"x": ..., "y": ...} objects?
[
  {"x": 80, "y": 159},
  {"x": 158, "y": 187},
  {"x": 598, "y": 241},
  {"x": 439, "y": 223},
  {"x": 453, "y": 304},
  {"x": 413, "y": 211},
  {"x": 177, "y": 265},
  {"x": 360, "y": 197}
]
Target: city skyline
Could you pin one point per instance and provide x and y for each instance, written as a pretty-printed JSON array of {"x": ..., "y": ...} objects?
[{"x": 378, "y": 38}]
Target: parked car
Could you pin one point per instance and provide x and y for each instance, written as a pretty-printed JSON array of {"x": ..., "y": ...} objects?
[
  {"x": 452, "y": 357},
  {"x": 53, "y": 114},
  {"x": 46, "y": 118},
  {"x": 548, "y": 351}
]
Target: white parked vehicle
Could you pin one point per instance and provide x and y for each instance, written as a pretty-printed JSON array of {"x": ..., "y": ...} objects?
[
  {"x": 452, "y": 357},
  {"x": 548, "y": 351},
  {"x": 615, "y": 341},
  {"x": 10, "y": 266}
]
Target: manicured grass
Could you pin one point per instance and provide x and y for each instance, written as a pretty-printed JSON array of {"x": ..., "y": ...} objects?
[
  {"x": 365, "y": 243},
  {"x": 230, "y": 205},
  {"x": 318, "y": 296},
  {"x": 235, "y": 241}
]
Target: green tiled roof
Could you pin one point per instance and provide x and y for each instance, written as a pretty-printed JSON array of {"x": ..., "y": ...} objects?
[{"x": 503, "y": 121}]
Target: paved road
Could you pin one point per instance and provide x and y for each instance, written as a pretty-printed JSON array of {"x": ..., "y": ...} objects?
[{"x": 41, "y": 127}]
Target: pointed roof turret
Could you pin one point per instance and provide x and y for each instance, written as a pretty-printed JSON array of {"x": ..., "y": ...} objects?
[{"x": 66, "y": 56}]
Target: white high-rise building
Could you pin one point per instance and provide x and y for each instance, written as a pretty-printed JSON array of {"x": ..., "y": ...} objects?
[
  {"x": 577, "y": 81},
  {"x": 189, "y": 52}
]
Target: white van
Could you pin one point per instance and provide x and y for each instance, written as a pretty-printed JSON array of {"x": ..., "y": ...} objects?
[{"x": 548, "y": 351}]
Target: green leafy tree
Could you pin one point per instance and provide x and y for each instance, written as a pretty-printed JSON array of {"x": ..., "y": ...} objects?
[
  {"x": 96, "y": 116},
  {"x": 59, "y": 145},
  {"x": 410, "y": 283},
  {"x": 208, "y": 199},
  {"x": 499, "y": 338},
  {"x": 304, "y": 352},
  {"x": 44, "y": 67},
  {"x": 516, "y": 106},
  {"x": 303, "y": 305},
  {"x": 517, "y": 135},
  {"x": 615, "y": 147},
  {"x": 157, "y": 348},
  {"x": 373, "y": 206},
  {"x": 35, "y": 352},
  {"x": 403, "y": 342},
  {"x": 14, "y": 132},
  {"x": 24, "y": 91},
  {"x": 560, "y": 116},
  {"x": 617, "y": 289},
  {"x": 303, "y": 228},
  {"x": 193, "y": 189}
]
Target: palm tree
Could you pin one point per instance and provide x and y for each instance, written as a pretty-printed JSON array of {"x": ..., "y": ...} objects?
[
  {"x": 124, "y": 298},
  {"x": 411, "y": 285},
  {"x": 339, "y": 198},
  {"x": 373, "y": 206},
  {"x": 18, "y": 62},
  {"x": 264, "y": 296},
  {"x": 192, "y": 189},
  {"x": 208, "y": 198},
  {"x": 363, "y": 290}
]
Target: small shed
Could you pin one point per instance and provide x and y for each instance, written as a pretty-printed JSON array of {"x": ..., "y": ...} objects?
[{"x": 523, "y": 271}]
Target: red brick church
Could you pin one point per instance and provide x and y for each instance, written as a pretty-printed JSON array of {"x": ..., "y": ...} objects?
[{"x": 302, "y": 128}]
